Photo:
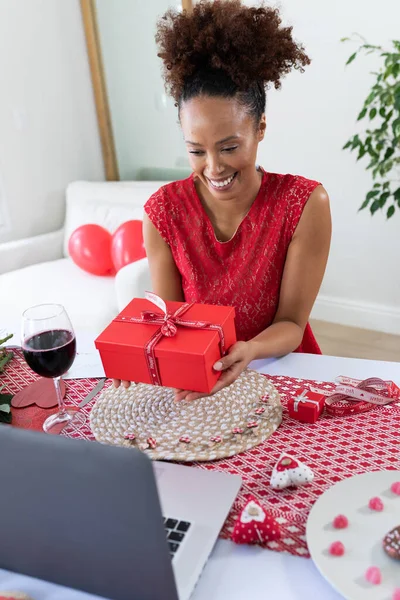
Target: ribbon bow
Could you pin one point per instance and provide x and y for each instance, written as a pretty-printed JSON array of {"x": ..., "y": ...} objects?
[
  {"x": 303, "y": 398},
  {"x": 168, "y": 327}
]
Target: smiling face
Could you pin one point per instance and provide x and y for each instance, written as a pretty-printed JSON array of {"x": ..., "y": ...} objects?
[{"x": 222, "y": 141}]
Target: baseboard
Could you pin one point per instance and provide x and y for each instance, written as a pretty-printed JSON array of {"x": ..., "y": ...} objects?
[{"x": 378, "y": 317}]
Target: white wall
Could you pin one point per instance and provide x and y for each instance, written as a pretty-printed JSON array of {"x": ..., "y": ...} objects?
[
  {"x": 48, "y": 128},
  {"x": 309, "y": 120}
]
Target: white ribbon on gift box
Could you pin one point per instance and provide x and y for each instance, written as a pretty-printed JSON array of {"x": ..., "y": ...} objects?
[{"x": 303, "y": 398}]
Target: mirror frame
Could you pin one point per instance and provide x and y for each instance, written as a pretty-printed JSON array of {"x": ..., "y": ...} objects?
[{"x": 89, "y": 17}]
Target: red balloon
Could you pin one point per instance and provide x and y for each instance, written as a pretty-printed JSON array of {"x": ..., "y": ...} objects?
[
  {"x": 90, "y": 248},
  {"x": 127, "y": 244}
]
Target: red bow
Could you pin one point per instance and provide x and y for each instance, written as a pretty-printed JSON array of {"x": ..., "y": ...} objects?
[{"x": 168, "y": 328}]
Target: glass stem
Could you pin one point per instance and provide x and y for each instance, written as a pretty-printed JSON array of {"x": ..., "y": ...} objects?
[{"x": 61, "y": 405}]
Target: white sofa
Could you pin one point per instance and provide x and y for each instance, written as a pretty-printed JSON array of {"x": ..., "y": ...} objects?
[{"x": 38, "y": 269}]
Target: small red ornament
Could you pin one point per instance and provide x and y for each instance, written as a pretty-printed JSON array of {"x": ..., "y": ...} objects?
[
  {"x": 185, "y": 439},
  {"x": 152, "y": 442},
  {"x": 255, "y": 525},
  {"x": 252, "y": 424},
  {"x": 237, "y": 430}
]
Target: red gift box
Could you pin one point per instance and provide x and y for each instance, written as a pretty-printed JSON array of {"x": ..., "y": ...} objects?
[
  {"x": 175, "y": 346},
  {"x": 306, "y": 407}
]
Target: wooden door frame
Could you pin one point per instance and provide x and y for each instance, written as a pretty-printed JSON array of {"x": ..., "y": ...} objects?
[{"x": 89, "y": 17}]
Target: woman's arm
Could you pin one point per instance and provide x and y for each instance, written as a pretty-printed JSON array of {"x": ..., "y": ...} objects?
[
  {"x": 165, "y": 276},
  {"x": 302, "y": 276}
]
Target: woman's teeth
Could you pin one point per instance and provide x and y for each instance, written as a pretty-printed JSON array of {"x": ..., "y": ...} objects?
[{"x": 221, "y": 184}]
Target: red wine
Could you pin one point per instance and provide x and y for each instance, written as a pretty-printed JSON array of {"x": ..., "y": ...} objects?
[{"x": 50, "y": 353}]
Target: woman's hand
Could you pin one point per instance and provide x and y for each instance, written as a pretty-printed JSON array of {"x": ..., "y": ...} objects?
[
  {"x": 232, "y": 365},
  {"x": 117, "y": 383}
]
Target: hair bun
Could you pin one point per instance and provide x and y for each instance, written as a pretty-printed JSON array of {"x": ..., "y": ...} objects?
[{"x": 248, "y": 43}]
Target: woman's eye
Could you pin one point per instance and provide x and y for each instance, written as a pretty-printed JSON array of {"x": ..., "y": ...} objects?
[
  {"x": 229, "y": 149},
  {"x": 196, "y": 152}
]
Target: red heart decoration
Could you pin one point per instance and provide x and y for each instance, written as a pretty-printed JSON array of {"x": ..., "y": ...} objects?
[
  {"x": 255, "y": 525},
  {"x": 41, "y": 392}
]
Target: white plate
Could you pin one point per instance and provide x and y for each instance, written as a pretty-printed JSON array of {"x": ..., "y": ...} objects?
[{"x": 362, "y": 539}]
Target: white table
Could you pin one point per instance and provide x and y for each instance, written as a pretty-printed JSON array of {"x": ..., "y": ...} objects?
[{"x": 244, "y": 572}]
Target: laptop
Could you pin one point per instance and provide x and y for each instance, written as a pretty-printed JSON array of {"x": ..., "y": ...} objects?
[{"x": 106, "y": 520}]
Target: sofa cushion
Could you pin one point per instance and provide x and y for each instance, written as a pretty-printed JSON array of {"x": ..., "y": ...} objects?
[
  {"x": 89, "y": 300},
  {"x": 108, "y": 204}
]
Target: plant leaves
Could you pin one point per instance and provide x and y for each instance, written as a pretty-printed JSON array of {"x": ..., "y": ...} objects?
[
  {"x": 364, "y": 204},
  {"x": 347, "y": 145},
  {"x": 375, "y": 206},
  {"x": 362, "y": 152},
  {"x": 355, "y": 142},
  {"x": 351, "y": 58},
  {"x": 389, "y": 152},
  {"x": 370, "y": 98},
  {"x": 390, "y": 211},
  {"x": 383, "y": 198},
  {"x": 5, "y": 411},
  {"x": 372, "y": 113},
  {"x": 362, "y": 114},
  {"x": 372, "y": 194},
  {"x": 396, "y": 127}
]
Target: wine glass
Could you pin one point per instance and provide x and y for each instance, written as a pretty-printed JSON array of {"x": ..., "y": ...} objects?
[{"x": 49, "y": 347}]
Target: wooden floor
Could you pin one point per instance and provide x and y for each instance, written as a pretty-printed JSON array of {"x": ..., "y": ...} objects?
[{"x": 339, "y": 340}]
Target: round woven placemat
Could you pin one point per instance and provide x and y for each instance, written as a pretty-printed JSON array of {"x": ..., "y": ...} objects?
[{"x": 232, "y": 421}]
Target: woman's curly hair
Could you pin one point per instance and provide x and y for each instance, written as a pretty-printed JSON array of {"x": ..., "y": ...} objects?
[{"x": 223, "y": 47}]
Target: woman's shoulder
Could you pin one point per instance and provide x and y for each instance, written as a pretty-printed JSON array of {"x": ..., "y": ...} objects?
[
  {"x": 174, "y": 189},
  {"x": 167, "y": 202},
  {"x": 287, "y": 182}
]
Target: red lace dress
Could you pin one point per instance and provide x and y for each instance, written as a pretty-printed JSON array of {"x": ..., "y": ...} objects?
[{"x": 246, "y": 271}]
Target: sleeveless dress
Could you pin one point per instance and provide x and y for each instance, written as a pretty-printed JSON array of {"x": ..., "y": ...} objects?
[{"x": 246, "y": 271}]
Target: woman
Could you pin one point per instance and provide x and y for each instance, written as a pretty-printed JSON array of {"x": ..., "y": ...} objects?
[{"x": 232, "y": 233}]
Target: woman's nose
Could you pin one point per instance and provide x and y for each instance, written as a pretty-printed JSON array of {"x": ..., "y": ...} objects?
[{"x": 214, "y": 167}]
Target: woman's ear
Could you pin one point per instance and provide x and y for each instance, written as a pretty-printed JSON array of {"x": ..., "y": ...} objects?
[{"x": 262, "y": 128}]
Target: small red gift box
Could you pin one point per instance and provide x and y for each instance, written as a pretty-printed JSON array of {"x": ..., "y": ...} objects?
[
  {"x": 306, "y": 407},
  {"x": 175, "y": 346}
]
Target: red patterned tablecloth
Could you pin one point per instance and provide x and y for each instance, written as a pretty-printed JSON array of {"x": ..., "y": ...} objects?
[{"x": 334, "y": 448}]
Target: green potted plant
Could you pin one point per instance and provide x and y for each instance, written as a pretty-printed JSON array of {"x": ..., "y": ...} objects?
[{"x": 380, "y": 142}]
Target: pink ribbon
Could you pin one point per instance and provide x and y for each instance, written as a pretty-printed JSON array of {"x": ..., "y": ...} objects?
[{"x": 168, "y": 323}]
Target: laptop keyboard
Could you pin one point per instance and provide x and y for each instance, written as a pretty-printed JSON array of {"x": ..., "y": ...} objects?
[{"x": 175, "y": 531}]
